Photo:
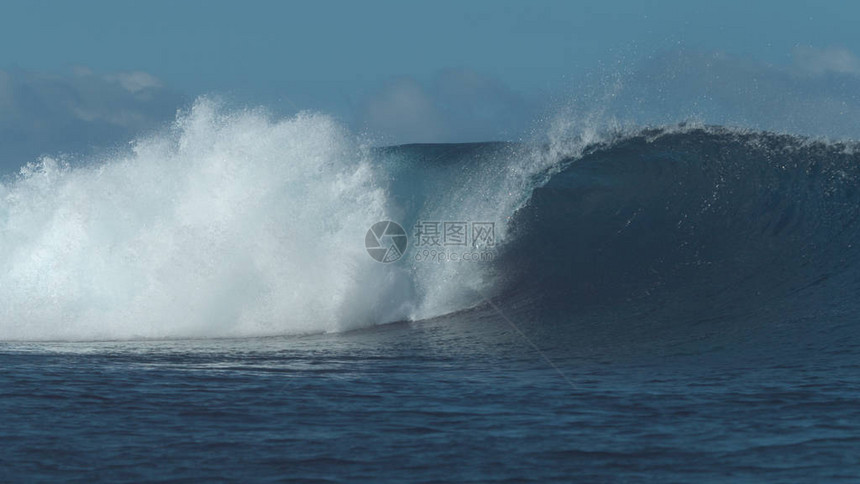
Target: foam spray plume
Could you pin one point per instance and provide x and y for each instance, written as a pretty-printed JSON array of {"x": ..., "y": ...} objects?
[{"x": 229, "y": 224}]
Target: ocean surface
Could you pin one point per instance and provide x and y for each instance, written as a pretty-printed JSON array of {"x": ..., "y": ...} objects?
[{"x": 670, "y": 304}]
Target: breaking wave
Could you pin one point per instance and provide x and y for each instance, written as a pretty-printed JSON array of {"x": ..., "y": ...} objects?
[{"x": 235, "y": 224}]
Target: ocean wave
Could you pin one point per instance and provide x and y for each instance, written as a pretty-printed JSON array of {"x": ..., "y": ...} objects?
[
  {"x": 690, "y": 224},
  {"x": 235, "y": 224}
]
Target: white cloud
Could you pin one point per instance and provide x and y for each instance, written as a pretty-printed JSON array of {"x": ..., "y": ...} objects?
[
  {"x": 403, "y": 110},
  {"x": 76, "y": 112},
  {"x": 717, "y": 88},
  {"x": 457, "y": 105},
  {"x": 822, "y": 61},
  {"x": 135, "y": 81}
]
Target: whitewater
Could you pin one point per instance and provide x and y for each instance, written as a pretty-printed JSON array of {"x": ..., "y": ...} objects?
[
  {"x": 235, "y": 223},
  {"x": 229, "y": 223}
]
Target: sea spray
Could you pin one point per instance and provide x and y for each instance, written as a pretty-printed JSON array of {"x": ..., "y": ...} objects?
[{"x": 228, "y": 224}]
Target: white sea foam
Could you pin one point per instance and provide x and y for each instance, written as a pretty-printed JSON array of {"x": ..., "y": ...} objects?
[
  {"x": 235, "y": 224},
  {"x": 230, "y": 224}
]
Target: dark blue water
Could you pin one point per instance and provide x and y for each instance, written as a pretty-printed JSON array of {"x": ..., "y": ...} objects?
[
  {"x": 670, "y": 307},
  {"x": 421, "y": 402}
]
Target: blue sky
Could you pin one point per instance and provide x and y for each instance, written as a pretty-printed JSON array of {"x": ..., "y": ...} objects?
[{"x": 405, "y": 71}]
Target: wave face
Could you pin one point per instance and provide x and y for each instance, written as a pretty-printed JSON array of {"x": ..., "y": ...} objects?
[
  {"x": 235, "y": 224},
  {"x": 693, "y": 226}
]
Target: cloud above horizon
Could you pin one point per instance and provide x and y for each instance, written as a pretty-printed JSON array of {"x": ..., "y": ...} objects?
[
  {"x": 818, "y": 94},
  {"x": 78, "y": 111},
  {"x": 81, "y": 112},
  {"x": 823, "y": 61},
  {"x": 457, "y": 105}
]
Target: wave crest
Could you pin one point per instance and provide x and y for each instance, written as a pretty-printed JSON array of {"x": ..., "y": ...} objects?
[{"x": 230, "y": 224}]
